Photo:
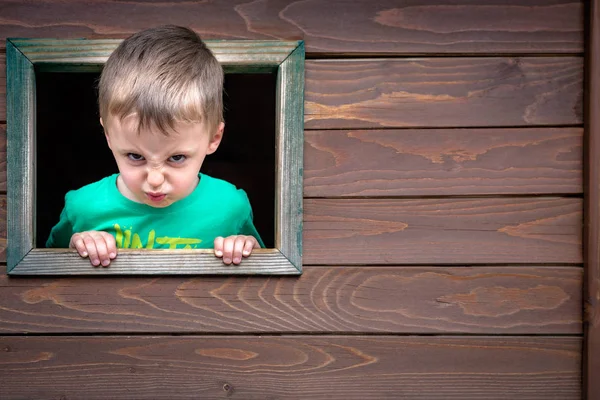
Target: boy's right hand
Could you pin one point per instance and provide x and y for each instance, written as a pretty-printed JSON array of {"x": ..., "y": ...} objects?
[{"x": 99, "y": 246}]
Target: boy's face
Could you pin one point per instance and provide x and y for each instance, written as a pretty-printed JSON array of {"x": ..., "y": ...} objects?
[{"x": 156, "y": 169}]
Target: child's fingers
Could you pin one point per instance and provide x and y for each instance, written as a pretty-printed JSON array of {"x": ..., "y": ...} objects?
[
  {"x": 228, "y": 249},
  {"x": 78, "y": 244},
  {"x": 90, "y": 246},
  {"x": 249, "y": 244},
  {"x": 111, "y": 245},
  {"x": 219, "y": 246},
  {"x": 101, "y": 248},
  {"x": 238, "y": 248}
]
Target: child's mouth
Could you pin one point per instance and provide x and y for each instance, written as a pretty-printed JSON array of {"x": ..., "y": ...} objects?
[{"x": 155, "y": 197}]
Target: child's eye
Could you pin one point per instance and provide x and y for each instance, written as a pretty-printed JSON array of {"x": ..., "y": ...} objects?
[
  {"x": 178, "y": 158},
  {"x": 135, "y": 157}
]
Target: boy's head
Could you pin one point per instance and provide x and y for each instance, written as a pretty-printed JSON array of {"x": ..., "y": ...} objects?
[
  {"x": 161, "y": 106},
  {"x": 163, "y": 74}
]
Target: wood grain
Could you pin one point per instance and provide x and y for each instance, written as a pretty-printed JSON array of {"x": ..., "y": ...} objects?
[
  {"x": 432, "y": 231},
  {"x": 21, "y": 157},
  {"x": 58, "y": 261},
  {"x": 433, "y": 162},
  {"x": 443, "y": 92},
  {"x": 3, "y": 158},
  {"x": 591, "y": 289},
  {"x": 442, "y": 231},
  {"x": 289, "y": 157},
  {"x": 311, "y": 367},
  {"x": 476, "y": 300},
  {"x": 417, "y": 162},
  {"x": 357, "y": 27}
]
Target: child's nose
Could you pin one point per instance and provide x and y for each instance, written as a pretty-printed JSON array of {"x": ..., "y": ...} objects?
[{"x": 155, "y": 178}]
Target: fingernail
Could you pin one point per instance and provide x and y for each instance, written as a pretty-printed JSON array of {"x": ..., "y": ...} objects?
[
  {"x": 219, "y": 253},
  {"x": 246, "y": 252},
  {"x": 236, "y": 260},
  {"x": 105, "y": 262},
  {"x": 227, "y": 261},
  {"x": 84, "y": 254},
  {"x": 112, "y": 255},
  {"x": 95, "y": 262}
]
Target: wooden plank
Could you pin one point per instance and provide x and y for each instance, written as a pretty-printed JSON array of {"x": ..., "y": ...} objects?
[
  {"x": 357, "y": 27},
  {"x": 20, "y": 145},
  {"x": 591, "y": 361},
  {"x": 72, "y": 52},
  {"x": 443, "y": 92},
  {"x": 421, "y": 162},
  {"x": 310, "y": 367},
  {"x": 433, "y": 162},
  {"x": 442, "y": 231},
  {"x": 289, "y": 157},
  {"x": 433, "y": 231},
  {"x": 476, "y": 300},
  {"x": 42, "y": 261}
]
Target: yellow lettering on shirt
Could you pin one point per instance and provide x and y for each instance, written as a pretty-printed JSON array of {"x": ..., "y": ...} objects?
[
  {"x": 119, "y": 236},
  {"x": 173, "y": 242},
  {"x": 130, "y": 240}
]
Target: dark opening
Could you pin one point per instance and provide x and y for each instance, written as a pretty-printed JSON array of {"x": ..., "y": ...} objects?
[{"x": 72, "y": 151}]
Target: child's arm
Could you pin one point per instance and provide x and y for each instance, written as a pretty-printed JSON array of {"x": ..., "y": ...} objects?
[
  {"x": 99, "y": 246},
  {"x": 232, "y": 248}
]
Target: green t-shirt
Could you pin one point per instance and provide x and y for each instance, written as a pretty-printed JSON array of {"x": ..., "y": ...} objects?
[{"x": 214, "y": 208}]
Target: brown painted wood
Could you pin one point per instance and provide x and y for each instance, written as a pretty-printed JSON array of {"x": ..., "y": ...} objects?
[
  {"x": 591, "y": 362},
  {"x": 443, "y": 92},
  {"x": 432, "y": 231},
  {"x": 492, "y": 300},
  {"x": 442, "y": 231},
  {"x": 310, "y": 367},
  {"x": 433, "y": 162},
  {"x": 416, "y": 162},
  {"x": 358, "y": 27}
]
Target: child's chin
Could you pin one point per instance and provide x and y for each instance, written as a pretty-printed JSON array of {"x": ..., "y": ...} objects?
[{"x": 159, "y": 204}]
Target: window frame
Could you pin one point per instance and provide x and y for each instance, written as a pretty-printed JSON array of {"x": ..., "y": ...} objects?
[{"x": 26, "y": 56}]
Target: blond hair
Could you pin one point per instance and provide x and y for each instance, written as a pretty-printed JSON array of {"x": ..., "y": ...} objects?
[{"x": 164, "y": 75}]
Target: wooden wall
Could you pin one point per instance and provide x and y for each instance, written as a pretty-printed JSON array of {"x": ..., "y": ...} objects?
[{"x": 443, "y": 219}]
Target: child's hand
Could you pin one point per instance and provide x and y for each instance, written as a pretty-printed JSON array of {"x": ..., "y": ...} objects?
[
  {"x": 99, "y": 246},
  {"x": 232, "y": 248}
]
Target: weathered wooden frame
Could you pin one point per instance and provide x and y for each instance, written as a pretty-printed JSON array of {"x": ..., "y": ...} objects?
[
  {"x": 591, "y": 251},
  {"x": 26, "y": 56}
]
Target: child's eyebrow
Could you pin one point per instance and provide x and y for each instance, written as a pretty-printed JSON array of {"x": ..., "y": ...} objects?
[{"x": 185, "y": 150}]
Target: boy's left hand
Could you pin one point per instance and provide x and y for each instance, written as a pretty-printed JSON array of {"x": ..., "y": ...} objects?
[{"x": 232, "y": 248}]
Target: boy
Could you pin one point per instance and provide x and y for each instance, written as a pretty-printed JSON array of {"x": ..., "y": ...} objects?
[{"x": 161, "y": 106}]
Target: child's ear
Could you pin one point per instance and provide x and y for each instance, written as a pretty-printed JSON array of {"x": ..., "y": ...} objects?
[{"x": 215, "y": 141}]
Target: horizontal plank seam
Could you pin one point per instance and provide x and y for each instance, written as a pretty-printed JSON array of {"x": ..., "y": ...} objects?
[
  {"x": 453, "y": 196},
  {"x": 424, "y": 128},
  {"x": 549, "y": 195},
  {"x": 295, "y": 334},
  {"x": 313, "y": 55},
  {"x": 346, "y": 265},
  {"x": 455, "y": 265}
]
